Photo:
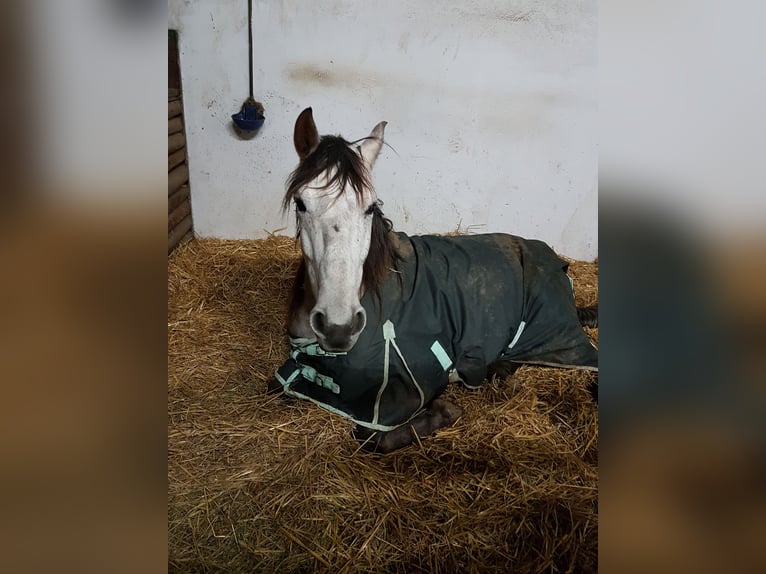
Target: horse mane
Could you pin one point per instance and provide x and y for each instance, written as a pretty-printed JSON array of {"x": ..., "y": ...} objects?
[
  {"x": 341, "y": 158},
  {"x": 333, "y": 154}
]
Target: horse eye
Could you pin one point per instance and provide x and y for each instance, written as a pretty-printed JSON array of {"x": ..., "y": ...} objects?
[
  {"x": 300, "y": 205},
  {"x": 370, "y": 210}
]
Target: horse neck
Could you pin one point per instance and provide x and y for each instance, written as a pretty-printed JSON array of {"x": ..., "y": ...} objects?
[
  {"x": 383, "y": 257},
  {"x": 302, "y": 300}
]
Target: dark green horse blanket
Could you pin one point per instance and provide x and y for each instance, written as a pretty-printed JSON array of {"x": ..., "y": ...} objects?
[{"x": 463, "y": 303}]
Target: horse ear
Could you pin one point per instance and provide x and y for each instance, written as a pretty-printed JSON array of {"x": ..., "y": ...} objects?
[
  {"x": 371, "y": 146},
  {"x": 305, "y": 136}
]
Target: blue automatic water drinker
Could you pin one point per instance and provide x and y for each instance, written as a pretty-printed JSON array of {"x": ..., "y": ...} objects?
[{"x": 250, "y": 117}]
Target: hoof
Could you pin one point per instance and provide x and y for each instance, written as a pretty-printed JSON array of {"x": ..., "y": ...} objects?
[{"x": 448, "y": 412}]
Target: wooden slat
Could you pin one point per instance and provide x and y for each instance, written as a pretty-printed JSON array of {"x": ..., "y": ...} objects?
[
  {"x": 176, "y": 142},
  {"x": 173, "y": 93},
  {"x": 177, "y": 177},
  {"x": 178, "y": 232},
  {"x": 175, "y": 158},
  {"x": 175, "y": 125},
  {"x": 178, "y": 198},
  {"x": 175, "y": 107},
  {"x": 178, "y": 214},
  {"x": 186, "y": 238}
]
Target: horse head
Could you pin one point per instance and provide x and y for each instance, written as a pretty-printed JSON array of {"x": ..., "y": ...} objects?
[{"x": 337, "y": 220}]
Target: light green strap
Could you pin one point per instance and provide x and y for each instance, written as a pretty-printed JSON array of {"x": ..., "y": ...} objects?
[
  {"x": 388, "y": 334},
  {"x": 310, "y": 374},
  {"x": 519, "y": 331},
  {"x": 309, "y": 347},
  {"x": 337, "y": 411},
  {"x": 286, "y": 382},
  {"x": 441, "y": 355},
  {"x": 409, "y": 372}
]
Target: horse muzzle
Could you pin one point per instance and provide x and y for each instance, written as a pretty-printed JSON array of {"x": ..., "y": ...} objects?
[{"x": 337, "y": 337}]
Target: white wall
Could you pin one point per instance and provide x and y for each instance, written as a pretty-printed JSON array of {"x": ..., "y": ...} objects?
[{"x": 491, "y": 110}]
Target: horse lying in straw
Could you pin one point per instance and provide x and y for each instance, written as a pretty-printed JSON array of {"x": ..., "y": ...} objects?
[{"x": 380, "y": 322}]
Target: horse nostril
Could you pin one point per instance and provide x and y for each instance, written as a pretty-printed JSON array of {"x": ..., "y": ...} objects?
[
  {"x": 360, "y": 320},
  {"x": 317, "y": 321}
]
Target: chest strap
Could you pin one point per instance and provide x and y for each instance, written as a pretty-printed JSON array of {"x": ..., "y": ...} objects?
[
  {"x": 389, "y": 336},
  {"x": 292, "y": 368}
]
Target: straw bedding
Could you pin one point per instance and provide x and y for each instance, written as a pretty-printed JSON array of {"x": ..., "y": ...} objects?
[{"x": 257, "y": 483}]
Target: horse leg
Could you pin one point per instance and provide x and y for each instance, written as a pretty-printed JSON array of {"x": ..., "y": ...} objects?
[
  {"x": 501, "y": 370},
  {"x": 439, "y": 414}
]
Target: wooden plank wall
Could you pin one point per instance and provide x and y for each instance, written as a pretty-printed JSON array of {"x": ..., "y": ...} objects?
[{"x": 179, "y": 201}]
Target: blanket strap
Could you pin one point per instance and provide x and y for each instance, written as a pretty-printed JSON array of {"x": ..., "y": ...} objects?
[
  {"x": 441, "y": 355},
  {"x": 519, "y": 331},
  {"x": 389, "y": 336},
  {"x": 292, "y": 368},
  {"x": 309, "y": 347}
]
